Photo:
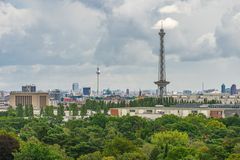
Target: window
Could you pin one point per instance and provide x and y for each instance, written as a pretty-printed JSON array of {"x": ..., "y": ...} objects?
[
  {"x": 161, "y": 112},
  {"x": 194, "y": 112},
  {"x": 149, "y": 111}
]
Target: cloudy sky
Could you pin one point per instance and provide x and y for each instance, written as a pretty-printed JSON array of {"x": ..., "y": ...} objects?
[{"x": 53, "y": 43}]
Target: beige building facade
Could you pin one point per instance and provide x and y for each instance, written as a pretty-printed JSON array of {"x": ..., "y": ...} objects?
[
  {"x": 156, "y": 112},
  {"x": 36, "y": 99}
]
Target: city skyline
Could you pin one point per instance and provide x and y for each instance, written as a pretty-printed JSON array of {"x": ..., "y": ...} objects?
[
  {"x": 219, "y": 90},
  {"x": 53, "y": 44}
]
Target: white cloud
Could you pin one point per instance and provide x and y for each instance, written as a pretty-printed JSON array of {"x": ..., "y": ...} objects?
[
  {"x": 178, "y": 7},
  {"x": 8, "y": 70},
  {"x": 13, "y": 20},
  {"x": 137, "y": 52},
  {"x": 236, "y": 19},
  {"x": 206, "y": 40},
  {"x": 167, "y": 23},
  {"x": 65, "y": 32},
  {"x": 203, "y": 48},
  {"x": 169, "y": 9}
]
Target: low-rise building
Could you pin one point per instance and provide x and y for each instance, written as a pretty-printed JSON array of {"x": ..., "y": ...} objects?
[
  {"x": 223, "y": 98},
  {"x": 36, "y": 99},
  {"x": 3, "y": 103},
  {"x": 210, "y": 111}
]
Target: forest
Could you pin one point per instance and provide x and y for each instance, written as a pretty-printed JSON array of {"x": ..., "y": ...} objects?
[{"x": 102, "y": 137}]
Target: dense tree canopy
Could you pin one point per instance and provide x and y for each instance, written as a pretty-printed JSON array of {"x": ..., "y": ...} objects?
[
  {"x": 102, "y": 137},
  {"x": 35, "y": 150},
  {"x": 8, "y": 145}
]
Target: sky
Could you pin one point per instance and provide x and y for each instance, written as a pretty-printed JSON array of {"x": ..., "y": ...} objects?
[{"x": 54, "y": 43}]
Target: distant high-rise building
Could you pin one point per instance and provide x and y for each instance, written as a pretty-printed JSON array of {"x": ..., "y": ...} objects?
[
  {"x": 107, "y": 92},
  {"x": 233, "y": 89},
  {"x": 75, "y": 87},
  {"x": 140, "y": 93},
  {"x": 1, "y": 94},
  {"x": 86, "y": 91},
  {"x": 55, "y": 94},
  {"x": 187, "y": 92},
  {"x": 223, "y": 88},
  {"x": 29, "y": 88},
  {"x": 127, "y": 92}
]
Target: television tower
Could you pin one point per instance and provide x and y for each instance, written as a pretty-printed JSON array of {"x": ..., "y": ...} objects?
[
  {"x": 98, "y": 75},
  {"x": 162, "y": 83}
]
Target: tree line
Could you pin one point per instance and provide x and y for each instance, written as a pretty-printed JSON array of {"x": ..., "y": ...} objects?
[{"x": 98, "y": 106}]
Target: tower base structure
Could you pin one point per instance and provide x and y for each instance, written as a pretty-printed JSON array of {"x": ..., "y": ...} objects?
[{"x": 162, "y": 87}]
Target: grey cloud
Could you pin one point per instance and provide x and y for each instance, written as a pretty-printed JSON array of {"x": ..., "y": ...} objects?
[
  {"x": 69, "y": 38},
  {"x": 228, "y": 33},
  {"x": 122, "y": 29},
  {"x": 98, "y": 32},
  {"x": 73, "y": 30},
  {"x": 120, "y": 32},
  {"x": 103, "y": 5}
]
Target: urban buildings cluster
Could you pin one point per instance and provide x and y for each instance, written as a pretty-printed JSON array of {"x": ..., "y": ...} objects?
[
  {"x": 232, "y": 90},
  {"x": 29, "y": 95}
]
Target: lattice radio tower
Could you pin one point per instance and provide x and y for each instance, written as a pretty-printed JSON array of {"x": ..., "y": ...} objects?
[{"x": 162, "y": 82}]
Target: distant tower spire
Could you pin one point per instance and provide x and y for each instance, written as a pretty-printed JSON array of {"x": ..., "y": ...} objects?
[
  {"x": 98, "y": 75},
  {"x": 202, "y": 87},
  {"x": 162, "y": 83}
]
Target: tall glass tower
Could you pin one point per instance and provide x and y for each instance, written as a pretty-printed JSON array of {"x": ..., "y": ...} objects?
[{"x": 223, "y": 88}]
